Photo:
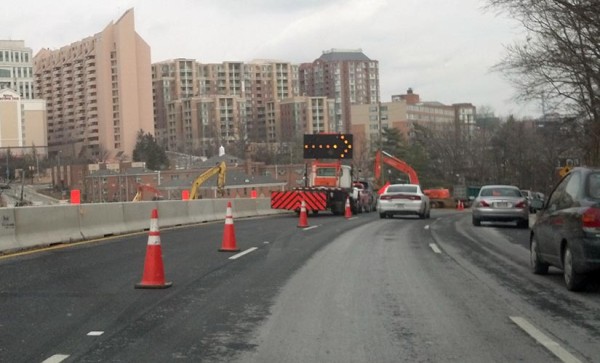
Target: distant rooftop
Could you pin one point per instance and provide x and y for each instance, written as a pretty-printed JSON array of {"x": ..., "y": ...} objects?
[{"x": 344, "y": 55}]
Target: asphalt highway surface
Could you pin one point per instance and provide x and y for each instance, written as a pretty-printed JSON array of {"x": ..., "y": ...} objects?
[{"x": 363, "y": 289}]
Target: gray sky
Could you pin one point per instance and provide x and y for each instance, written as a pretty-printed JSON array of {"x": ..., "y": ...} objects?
[{"x": 443, "y": 49}]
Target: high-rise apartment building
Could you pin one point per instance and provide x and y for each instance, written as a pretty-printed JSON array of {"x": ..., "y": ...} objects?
[
  {"x": 199, "y": 107},
  {"x": 16, "y": 68},
  {"x": 348, "y": 77},
  {"x": 98, "y": 92}
]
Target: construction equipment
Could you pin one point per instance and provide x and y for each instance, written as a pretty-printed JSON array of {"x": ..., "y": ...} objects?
[
  {"x": 215, "y": 170},
  {"x": 328, "y": 182},
  {"x": 145, "y": 187},
  {"x": 439, "y": 197},
  {"x": 383, "y": 157}
]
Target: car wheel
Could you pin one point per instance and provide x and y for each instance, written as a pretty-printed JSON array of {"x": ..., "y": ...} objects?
[
  {"x": 476, "y": 222},
  {"x": 537, "y": 266},
  {"x": 382, "y": 215},
  {"x": 574, "y": 280}
]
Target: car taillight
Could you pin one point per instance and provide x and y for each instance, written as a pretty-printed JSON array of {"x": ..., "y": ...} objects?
[
  {"x": 415, "y": 197},
  {"x": 522, "y": 204},
  {"x": 483, "y": 203},
  {"x": 591, "y": 219}
]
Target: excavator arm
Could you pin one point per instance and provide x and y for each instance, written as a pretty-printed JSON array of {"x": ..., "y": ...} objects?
[
  {"x": 383, "y": 157},
  {"x": 140, "y": 192},
  {"x": 215, "y": 170}
]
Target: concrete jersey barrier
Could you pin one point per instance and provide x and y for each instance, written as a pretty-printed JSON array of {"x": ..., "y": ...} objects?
[{"x": 39, "y": 226}]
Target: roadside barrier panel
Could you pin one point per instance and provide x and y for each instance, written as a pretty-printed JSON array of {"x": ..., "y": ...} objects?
[
  {"x": 101, "y": 220},
  {"x": 45, "y": 225},
  {"x": 136, "y": 215},
  {"x": 172, "y": 213},
  {"x": 244, "y": 207},
  {"x": 200, "y": 211},
  {"x": 8, "y": 241}
]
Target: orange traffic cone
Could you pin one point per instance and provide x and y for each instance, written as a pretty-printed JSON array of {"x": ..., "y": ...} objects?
[
  {"x": 460, "y": 205},
  {"x": 154, "y": 272},
  {"x": 348, "y": 211},
  {"x": 228, "y": 244},
  {"x": 303, "y": 222}
]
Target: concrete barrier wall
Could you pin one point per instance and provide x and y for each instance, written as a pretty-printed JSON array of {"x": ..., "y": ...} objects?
[
  {"x": 45, "y": 225},
  {"x": 38, "y": 226}
]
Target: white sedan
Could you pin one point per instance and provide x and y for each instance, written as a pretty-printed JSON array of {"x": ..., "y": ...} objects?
[{"x": 402, "y": 199}]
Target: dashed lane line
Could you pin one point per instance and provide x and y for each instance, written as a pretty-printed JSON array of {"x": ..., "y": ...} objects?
[
  {"x": 544, "y": 340},
  {"x": 57, "y": 358},
  {"x": 435, "y": 248},
  {"x": 234, "y": 257}
]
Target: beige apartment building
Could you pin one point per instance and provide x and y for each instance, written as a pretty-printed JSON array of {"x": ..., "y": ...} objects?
[
  {"x": 199, "y": 107},
  {"x": 98, "y": 92},
  {"x": 406, "y": 111},
  {"x": 22, "y": 125}
]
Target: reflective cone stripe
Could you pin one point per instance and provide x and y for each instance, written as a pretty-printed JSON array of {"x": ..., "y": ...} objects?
[
  {"x": 154, "y": 272},
  {"x": 303, "y": 222},
  {"x": 229, "y": 244}
]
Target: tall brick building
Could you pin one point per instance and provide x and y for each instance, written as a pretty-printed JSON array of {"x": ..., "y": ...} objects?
[{"x": 348, "y": 77}]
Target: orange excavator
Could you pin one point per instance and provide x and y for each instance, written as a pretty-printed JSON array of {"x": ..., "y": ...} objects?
[
  {"x": 139, "y": 196},
  {"x": 439, "y": 197}
]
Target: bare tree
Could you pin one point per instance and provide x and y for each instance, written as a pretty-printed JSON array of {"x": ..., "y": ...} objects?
[{"x": 559, "y": 61}]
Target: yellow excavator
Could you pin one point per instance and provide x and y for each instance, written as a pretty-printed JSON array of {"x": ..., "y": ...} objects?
[{"x": 215, "y": 170}]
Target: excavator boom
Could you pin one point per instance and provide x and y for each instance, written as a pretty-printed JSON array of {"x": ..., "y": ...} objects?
[
  {"x": 394, "y": 162},
  {"x": 215, "y": 170}
]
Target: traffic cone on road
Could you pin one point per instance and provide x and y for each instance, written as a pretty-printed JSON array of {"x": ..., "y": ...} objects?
[
  {"x": 460, "y": 205},
  {"x": 228, "y": 244},
  {"x": 303, "y": 222},
  {"x": 154, "y": 272},
  {"x": 348, "y": 211}
]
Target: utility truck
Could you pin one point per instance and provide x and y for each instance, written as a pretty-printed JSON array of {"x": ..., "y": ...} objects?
[{"x": 329, "y": 178}]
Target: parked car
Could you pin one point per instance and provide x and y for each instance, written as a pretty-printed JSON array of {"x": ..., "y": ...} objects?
[
  {"x": 566, "y": 233},
  {"x": 403, "y": 199},
  {"x": 500, "y": 203}
]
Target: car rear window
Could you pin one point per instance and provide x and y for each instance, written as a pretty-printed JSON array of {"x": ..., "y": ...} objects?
[
  {"x": 500, "y": 192},
  {"x": 594, "y": 185},
  {"x": 401, "y": 189}
]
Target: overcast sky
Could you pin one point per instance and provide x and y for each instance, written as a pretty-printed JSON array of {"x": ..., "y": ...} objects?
[{"x": 442, "y": 49}]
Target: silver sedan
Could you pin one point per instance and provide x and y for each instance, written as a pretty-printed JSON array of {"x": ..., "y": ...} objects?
[
  {"x": 403, "y": 199},
  {"x": 501, "y": 203}
]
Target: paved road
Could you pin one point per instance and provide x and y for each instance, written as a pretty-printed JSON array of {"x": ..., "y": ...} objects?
[{"x": 366, "y": 289}]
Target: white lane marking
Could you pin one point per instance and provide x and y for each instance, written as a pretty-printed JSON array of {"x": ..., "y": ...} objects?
[
  {"x": 266, "y": 242},
  {"x": 95, "y": 333},
  {"x": 57, "y": 358},
  {"x": 544, "y": 340},
  {"x": 243, "y": 253},
  {"x": 435, "y": 248},
  {"x": 427, "y": 226},
  {"x": 311, "y": 227}
]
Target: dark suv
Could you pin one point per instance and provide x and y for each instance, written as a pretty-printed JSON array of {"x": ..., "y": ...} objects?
[{"x": 566, "y": 233}]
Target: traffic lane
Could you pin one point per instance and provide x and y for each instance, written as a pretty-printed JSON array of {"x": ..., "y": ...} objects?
[
  {"x": 52, "y": 299},
  {"x": 381, "y": 293},
  {"x": 210, "y": 319},
  {"x": 499, "y": 257}
]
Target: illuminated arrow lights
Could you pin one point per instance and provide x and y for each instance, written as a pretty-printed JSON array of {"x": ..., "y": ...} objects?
[{"x": 328, "y": 146}]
